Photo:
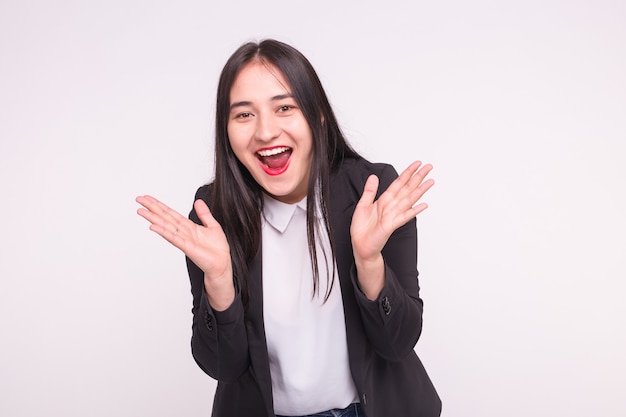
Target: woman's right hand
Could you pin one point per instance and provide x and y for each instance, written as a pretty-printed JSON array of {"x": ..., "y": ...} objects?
[{"x": 205, "y": 244}]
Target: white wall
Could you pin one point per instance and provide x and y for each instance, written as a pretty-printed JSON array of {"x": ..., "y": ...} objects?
[{"x": 521, "y": 107}]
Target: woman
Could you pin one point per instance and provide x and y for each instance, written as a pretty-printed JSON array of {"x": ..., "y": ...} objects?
[{"x": 301, "y": 254}]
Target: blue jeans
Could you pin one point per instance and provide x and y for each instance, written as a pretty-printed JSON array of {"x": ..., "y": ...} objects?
[{"x": 353, "y": 410}]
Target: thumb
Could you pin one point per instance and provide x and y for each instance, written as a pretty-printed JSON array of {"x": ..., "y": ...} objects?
[
  {"x": 369, "y": 191},
  {"x": 203, "y": 212}
]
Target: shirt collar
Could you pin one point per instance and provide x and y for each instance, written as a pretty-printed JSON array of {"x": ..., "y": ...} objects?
[{"x": 279, "y": 214}]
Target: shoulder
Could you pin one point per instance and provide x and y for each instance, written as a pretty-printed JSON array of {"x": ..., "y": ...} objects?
[
  {"x": 204, "y": 193},
  {"x": 352, "y": 173}
]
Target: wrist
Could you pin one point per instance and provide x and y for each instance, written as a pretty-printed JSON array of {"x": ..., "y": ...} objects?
[
  {"x": 368, "y": 263},
  {"x": 371, "y": 275},
  {"x": 220, "y": 291}
]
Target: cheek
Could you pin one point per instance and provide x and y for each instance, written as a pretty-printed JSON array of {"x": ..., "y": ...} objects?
[
  {"x": 302, "y": 134},
  {"x": 308, "y": 143},
  {"x": 236, "y": 141}
]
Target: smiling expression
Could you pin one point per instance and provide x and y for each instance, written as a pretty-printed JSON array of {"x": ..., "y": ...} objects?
[{"x": 268, "y": 132}]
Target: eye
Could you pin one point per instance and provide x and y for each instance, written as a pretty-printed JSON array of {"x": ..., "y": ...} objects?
[
  {"x": 243, "y": 115},
  {"x": 285, "y": 108}
]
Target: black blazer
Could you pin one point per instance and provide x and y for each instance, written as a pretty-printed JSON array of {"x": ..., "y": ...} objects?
[{"x": 230, "y": 346}]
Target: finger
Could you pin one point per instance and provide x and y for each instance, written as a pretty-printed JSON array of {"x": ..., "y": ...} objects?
[
  {"x": 419, "y": 176},
  {"x": 408, "y": 196},
  {"x": 204, "y": 213},
  {"x": 155, "y": 205},
  {"x": 409, "y": 214},
  {"x": 415, "y": 187},
  {"x": 160, "y": 214},
  {"x": 151, "y": 216},
  {"x": 408, "y": 173},
  {"x": 398, "y": 184},
  {"x": 417, "y": 209},
  {"x": 145, "y": 214},
  {"x": 173, "y": 236},
  {"x": 176, "y": 234},
  {"x": 369, "y": 191},
  {"x": 417, "y": 193}
]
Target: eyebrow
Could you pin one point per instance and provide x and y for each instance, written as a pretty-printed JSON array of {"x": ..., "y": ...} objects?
[{"x": 248, "y": 103}]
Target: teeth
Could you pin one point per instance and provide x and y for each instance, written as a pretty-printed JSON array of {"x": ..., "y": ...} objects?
[{"x": 274, "y": 151}]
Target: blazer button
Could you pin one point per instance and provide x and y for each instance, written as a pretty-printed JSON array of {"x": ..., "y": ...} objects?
[
  {"x": 208, "y": 321},
  {"x": 386, "y": 306}
]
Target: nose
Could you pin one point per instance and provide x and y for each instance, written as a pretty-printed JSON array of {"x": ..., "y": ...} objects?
[{"x": 267, "y": 128}]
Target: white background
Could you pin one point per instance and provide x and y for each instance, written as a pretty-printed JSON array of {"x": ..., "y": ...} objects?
[{"x": 521, "y": 107}]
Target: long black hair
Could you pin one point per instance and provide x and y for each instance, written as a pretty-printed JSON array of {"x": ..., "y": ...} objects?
[{"x": 236, "y": 198}]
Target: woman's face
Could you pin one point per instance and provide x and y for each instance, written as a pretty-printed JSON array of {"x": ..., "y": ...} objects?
[{"x": 268, "y": 132}]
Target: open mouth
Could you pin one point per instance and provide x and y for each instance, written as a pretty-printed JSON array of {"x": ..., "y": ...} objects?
[{"x": 275, "y": 160}]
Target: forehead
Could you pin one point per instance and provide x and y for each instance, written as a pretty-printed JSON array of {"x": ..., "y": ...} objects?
[{"x": 257, "y": 81}]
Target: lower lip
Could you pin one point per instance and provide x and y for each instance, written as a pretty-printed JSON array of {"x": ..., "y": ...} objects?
[{"x": 275, "y": 171}]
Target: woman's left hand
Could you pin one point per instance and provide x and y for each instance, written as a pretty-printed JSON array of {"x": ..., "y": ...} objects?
[{"x": 373, "y": 222}]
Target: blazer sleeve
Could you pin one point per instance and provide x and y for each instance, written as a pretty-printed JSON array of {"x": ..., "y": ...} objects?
[
  {"x": 393, "y": 322},
  {"x": 219, "y": 342}
]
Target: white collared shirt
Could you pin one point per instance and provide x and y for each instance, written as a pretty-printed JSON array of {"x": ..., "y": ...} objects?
[{"x": 306, "y": 338}]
